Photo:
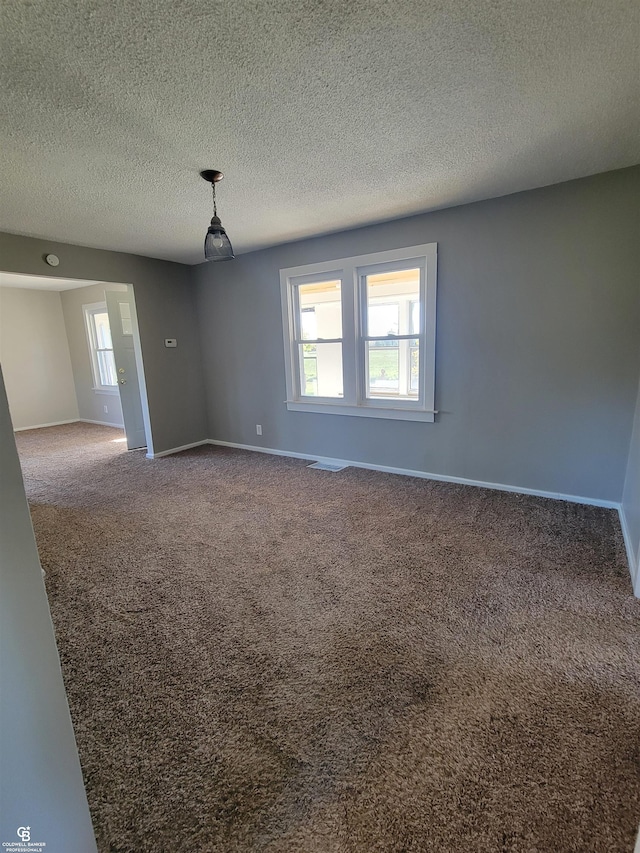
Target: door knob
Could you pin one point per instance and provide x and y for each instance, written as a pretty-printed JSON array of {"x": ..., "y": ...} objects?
[{"x": 123, "y": 381}]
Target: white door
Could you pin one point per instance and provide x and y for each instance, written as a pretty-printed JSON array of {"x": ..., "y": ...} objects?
[{"x": 121, "y": 308}]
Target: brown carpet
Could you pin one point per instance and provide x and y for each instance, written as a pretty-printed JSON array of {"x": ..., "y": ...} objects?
[{"x": 264, "y": 657}]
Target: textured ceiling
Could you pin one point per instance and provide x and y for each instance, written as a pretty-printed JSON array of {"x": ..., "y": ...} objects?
[{"x": 323, "y": 114}]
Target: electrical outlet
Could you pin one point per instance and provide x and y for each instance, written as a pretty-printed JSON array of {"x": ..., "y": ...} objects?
[
  {"x": 258, "y": 429},
  {"x": 106, "y": 410}
]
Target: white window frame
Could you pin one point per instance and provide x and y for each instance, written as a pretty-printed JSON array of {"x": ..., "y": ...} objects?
[
  {"x": 89, "y": 310},
  {"x": 350, "y": 272}
]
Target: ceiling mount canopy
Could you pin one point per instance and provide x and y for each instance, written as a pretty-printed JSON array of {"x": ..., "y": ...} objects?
[{"x": 217, "y": 246}]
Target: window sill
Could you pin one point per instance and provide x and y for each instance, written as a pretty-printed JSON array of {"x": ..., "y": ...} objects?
[{"x": 362, "y": 411}]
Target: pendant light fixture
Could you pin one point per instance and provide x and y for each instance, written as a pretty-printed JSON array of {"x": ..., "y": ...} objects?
[{"x": 217, "y": 246}]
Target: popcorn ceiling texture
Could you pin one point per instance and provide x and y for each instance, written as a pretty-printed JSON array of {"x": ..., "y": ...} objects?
[
  {"x": 323, "y": 114},
  {"x": 264, "y": 658}
]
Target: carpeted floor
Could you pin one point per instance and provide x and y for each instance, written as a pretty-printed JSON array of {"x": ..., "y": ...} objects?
[{"x": 264, "y": 657}]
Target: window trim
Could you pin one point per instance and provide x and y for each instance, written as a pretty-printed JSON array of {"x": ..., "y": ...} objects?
[
  {"x": 89, "y": 310},
  {"x": 349, "y": 271}
]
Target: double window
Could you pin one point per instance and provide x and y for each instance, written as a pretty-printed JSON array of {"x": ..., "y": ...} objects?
[
  {"x": 359, "y": 334},
  {"x": 103, "y": 365}
]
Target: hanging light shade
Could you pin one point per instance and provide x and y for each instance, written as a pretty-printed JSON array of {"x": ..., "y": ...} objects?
[{"x": 217, "y": 246}]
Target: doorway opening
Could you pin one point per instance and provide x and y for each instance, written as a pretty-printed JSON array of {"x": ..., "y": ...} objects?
[{"x": 70, "y": 351}]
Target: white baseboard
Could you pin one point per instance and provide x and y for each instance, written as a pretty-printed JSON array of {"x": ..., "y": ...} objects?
[
  {"x": 42, "y": 426},
  {"x": 407, "y": 472},
  {"x": 101, "y": 423},
  {"x": 177, "y": 449},
  {"x": 633, "y": 558}
]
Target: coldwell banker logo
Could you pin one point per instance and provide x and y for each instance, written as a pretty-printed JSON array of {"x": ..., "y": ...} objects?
[{"x": 25, "y": 844}]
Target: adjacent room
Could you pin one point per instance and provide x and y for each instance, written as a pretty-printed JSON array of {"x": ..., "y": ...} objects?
[
  {"x": 57, "y": 353},
  {"x": 320, "y": 517}
]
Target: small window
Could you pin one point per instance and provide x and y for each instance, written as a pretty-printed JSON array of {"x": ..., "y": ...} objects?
[
  {"x": 359, "y": 335},
  {"x": 103, "y": 365}
]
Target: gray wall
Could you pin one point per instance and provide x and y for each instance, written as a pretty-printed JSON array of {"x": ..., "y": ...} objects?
[
  {"x": 165, "y": 306},
  {"x": 41, "y": 782},
  {"x": 537, "y": 343},
  {"x": 91, "y": 403},
  {"x": 35, "y": 358},
  {"x": 631, "y": 499}
]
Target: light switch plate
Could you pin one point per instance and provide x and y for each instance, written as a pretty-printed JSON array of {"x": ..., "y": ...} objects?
[{"x": 171, "y": 342}]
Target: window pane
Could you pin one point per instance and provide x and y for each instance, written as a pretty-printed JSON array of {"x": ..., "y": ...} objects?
[
  {"x": 103, "y": 332},
  {"x": 320, "y": 370},
  {"x": 393, "y": 371},
  {"x": 393, "y": 303},
  {"x": 414, "y": 362},
  {"x": 107, "y": 367},
  {"x": 320, "y": 310},
  {"x": 384, "y": 319},
  {"x": 125, "y": 318},
  {"x": 309, "y": 324},
  {"x": 383, "y": 370},
  {"x": 414, "y": 319}
]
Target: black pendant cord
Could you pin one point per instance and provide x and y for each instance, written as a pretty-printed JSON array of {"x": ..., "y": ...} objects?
[{"x": 215, "y": 209}]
